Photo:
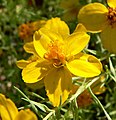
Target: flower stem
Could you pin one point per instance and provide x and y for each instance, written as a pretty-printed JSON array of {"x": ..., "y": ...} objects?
[{"x": 99, "y": 103}]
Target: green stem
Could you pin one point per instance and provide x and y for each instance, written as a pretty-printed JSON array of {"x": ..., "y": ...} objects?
[{"x": 99, "y": 103}]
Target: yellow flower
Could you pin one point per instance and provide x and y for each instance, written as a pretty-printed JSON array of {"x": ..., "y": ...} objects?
[
  {"x": 26, "y": 30},
  {"x": 98, "y": 18},
  {"x": 60, "y": 57},
  {"x": 71, "y": 9},
  {"x": 8, "y": 111}
]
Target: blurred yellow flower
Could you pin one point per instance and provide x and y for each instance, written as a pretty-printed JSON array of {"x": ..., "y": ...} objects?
[
  {"x": 8, "y": 111},
  {"x": 26, "y": 30},
  {"x": 98, "y": 86},
  {"x": 98, "y": 18},
  {"x": 71, "y": 9},
  {"x": 59, "y": 56}
]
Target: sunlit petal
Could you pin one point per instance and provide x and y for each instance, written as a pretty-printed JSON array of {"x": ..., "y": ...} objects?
[
  {"x": 58, "y": 85},
  {"x": 85, "y": 66},
  {"x": 41, "y": 42},
  {"x": 76, "y": 42},
  {"x": 112, "y": 3},
  {"x": 93, "y": 16},
  {"x": 60, "y": 27}
]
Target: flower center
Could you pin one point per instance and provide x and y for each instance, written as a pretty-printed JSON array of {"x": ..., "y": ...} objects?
[
  {"x": 111, "y": 15},
  {"x": 55, "y": 53}
]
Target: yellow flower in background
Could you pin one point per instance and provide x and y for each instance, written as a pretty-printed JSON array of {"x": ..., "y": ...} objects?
[
  {"x": 26, "y": 30},
  {"x": 98, "y": 18},
  {"x": 71, "y": 9},
  {"x": 59, "y": 57},
  {"x": 98, "y": 86},
  {"x": 8, "y": 111}
]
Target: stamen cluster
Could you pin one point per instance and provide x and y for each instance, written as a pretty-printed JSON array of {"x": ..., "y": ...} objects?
[
  {"x": 55, "y": 53},
  {"x": 111, "y": 15}
]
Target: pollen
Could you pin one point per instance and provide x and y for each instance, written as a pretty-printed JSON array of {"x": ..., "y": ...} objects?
[
  {"x": 111, "y": 15},
  {"x": 55, "y": 53}
]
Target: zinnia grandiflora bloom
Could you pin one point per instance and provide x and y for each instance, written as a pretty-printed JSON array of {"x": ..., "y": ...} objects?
[
  {"x": 98, "y": 18},
  {"x": 8, "y": 111},
  {"x": 71, "y": 9},
  {"x": 58, "y": 56}
]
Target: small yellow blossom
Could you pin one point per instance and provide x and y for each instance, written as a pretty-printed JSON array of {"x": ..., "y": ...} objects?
[
  {"x": 71, "y": 9},
  {"x": 59, "y": 57},
  {"x": 98, "y": 18},
  {"x": 26, "y": 30},
  {"x": 8, "y": 111}
]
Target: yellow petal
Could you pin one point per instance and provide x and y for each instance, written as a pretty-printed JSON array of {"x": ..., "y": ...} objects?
[
  {"x": 108, "y": 38},
  {"x": 93, "y": 16},
  {"x": 85, "y": 66},
  {"x": 41, "y": 42},
  {"x": 8, "y": 110},
  {"x": 26, "y": 115},
  {"x": 112, "y": 3},
  {"x": 29, "y": 47},
  {"x": 22, "y": 63},
  {"x": 76, "y": 42},
  {"x": 53, "y": 35},
  {"x": 80, "y": 28},
  {"x": 34, "y": 71},
  {"x": 58, "y": 85},
  {"x": 59, "y": 26}
]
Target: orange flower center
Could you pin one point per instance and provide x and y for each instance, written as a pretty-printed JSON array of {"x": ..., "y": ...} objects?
[
  {"x": 55, "y": 53},
  {"x": 111, "y": 15}
]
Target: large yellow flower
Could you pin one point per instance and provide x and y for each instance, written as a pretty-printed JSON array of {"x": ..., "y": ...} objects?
[
  {"x": 98, "y": 18},
  {"x": 59, "y": 57},
  {"x": 8, "y": 111}
]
